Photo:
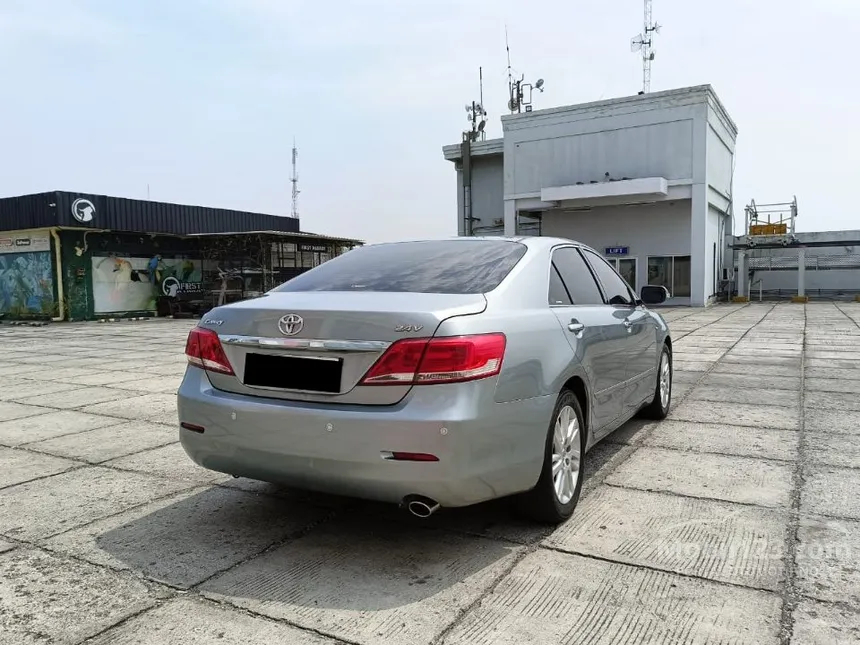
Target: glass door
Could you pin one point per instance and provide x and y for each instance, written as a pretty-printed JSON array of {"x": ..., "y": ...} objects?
[{"x": 626, "y": 268}]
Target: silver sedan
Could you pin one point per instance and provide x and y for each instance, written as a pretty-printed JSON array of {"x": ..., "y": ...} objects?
[{"x": 431, "y": 374}]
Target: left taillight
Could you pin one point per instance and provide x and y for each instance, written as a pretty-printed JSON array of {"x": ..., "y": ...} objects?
[{"x": 203, "y": 349}]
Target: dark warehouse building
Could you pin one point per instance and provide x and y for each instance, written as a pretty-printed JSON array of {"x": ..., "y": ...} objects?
[{"x": 76, "y": 256}]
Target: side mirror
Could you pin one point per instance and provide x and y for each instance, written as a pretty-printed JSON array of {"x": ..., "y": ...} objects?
[{"x": 654, "y": 295}]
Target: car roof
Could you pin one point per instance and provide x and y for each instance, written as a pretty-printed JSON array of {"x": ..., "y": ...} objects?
[{"x": 531, "y": 241}]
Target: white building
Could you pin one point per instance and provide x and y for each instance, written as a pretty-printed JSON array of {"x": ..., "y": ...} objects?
[{"x": 644, "y": 179}]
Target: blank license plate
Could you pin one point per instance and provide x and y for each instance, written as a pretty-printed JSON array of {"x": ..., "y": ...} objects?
[{"x": 293, "y": 373}]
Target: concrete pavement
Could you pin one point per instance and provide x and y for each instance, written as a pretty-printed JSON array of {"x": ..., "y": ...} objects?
[{"x": 737, "y": 520}]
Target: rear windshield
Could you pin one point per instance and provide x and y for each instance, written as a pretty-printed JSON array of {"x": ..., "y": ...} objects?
[{"x": 438, "y": 266}]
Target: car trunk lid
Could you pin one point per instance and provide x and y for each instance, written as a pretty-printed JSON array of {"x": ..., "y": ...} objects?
[{"x": 316, "y": 346}]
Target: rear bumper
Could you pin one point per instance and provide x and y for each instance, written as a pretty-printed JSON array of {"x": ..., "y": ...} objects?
[{"x": 485, "y": 449}]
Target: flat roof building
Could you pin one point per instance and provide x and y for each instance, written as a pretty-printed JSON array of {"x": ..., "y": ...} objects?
[
  {"x": 77, "y": 256},
  {"x": 644, "y": 179}
]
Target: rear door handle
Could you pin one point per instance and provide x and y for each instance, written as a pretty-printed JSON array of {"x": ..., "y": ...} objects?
[{"x": 575, "y": 326}]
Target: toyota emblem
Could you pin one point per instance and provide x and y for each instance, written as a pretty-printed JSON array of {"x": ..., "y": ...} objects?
[{"x": 291, "y": 324}]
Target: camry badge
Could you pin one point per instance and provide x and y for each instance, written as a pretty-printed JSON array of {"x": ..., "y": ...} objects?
[{"x": 291, "y": 324}]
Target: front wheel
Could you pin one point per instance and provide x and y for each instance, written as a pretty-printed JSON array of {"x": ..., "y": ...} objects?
[
  {"x": 659, "y": 407},
  {"x": 557, "y": 491}
]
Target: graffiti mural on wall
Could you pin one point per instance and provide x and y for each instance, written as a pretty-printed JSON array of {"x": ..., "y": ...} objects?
[
  {"x": 133, "y": 283},
  {"x": 26, "y": 278}
]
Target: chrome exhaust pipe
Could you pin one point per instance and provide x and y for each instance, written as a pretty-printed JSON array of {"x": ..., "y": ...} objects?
[{"x": 422, "y": 507}]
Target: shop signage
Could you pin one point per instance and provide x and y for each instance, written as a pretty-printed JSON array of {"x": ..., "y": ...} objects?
[
  {"x": 83, "y": 210},
  {"x": 616, "y": 250},
  {"x": 173, "y": 287},
  {"x": 25, "y": 244},
  {"x": 313, "y": 248}
]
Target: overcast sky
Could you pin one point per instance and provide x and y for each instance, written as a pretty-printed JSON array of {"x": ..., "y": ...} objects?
[{"x": 200, "y": 99}]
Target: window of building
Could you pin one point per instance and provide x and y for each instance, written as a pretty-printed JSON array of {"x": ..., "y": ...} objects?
[
  {"x": 626, "y": 268},
  {"x": 614, "y": 288},
  {"x": 577, "y": 277},
  {"x": 672, "y": 272}
]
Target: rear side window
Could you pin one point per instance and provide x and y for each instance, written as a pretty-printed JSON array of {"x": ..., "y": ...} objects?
[
  {"x": 577, "y": 277},
  {"x": 614, "y": 288},
  {"x": 557, "y": 292},
  {"x": 436, "y": 266}
]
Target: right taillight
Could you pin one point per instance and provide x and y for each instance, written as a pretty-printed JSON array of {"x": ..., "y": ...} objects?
[
  {"x": 423, "y": 361},
  {"x": 203, "y": 349}
]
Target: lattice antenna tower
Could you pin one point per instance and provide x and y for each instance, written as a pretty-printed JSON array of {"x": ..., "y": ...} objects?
[
  {"x": 294, "y": 180},
  {"x": 643, "y": 43}
]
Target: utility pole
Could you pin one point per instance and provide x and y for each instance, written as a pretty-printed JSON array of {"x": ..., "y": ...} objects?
[{"x": 294, "y": 180}]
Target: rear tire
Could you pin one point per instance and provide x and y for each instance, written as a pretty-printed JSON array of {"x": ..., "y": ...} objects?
[
  {"x": 658, "y": 409},
  {"x": 555, "y": 497}
]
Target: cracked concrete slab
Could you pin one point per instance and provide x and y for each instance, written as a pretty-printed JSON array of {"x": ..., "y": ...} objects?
[
  {"x": 827, "y": 567},
  {"x": 51, "y": 424},
  {"x": 10, "y": 411},
  {"x": 831, "y": 421},
  {"x": 758, "y": 369},
  {"x": 845, "y": 386},
  {"x": 27, "y": 388},
  {"x": 107, "y": 524},
  {"x": 817, "y": 623},
  {"x": 724, "y": 394},
  {"x": 73, "y": 399},
  {"x": 832, "y": 363},
  {"x": 833, "y": 373},
  {"x": 752, "y": 381},
  {"x": 393, "y": 584},
  {"x": 767, "y": 443},
  {"x": 719, "y": 541},
  {"x": 41, "y": 508},
  {"x": 692, "y": 366},
  {"x": 189, "y": 621},
  {"x": 833, "y": 450},
  {"x": 552, "y": 597},
  {"x": 741, "y": 414},
  {"x": 18, "y": 466},
  {"x": 754, "y": 361},
  {"x": 829, "y": 490},
  {"x": 733, "y": 479},
  {"x": 186, "y": 539},
  {"x": 103, "y": 444},
  {"x": 170, "y": 462},
  {"x": 42, "y": 598},
  {"x": 158, "y": 408},
  {"x": 831, "y": 401}
]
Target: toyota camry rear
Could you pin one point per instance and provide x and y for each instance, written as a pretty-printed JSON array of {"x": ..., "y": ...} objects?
[{"x": 373, "y": 375}]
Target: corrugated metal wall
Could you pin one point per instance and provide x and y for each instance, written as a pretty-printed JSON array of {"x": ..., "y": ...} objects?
[
  {"x": 133, "y": 215},
  {"x": 28, "y": 211}
]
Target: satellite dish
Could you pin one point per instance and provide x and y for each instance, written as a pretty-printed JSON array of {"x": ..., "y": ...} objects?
[
  {"x": 636, "y": 43},
  {"x": 539, "y": 83},
  {"x": 481, "y": 126},
  {"x": 513, "y": 104}
]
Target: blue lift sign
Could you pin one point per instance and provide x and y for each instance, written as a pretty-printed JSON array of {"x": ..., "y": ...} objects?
[{"x": 617, "y": 250}]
